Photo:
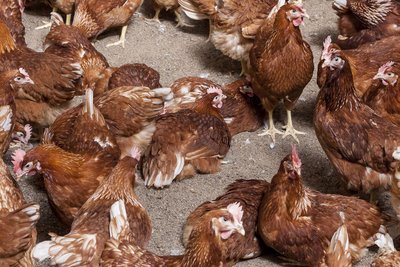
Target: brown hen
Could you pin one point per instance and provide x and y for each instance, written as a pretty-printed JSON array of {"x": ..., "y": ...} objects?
[
  {"x": 360, "y": 144},
  {"x": 93, "y": 17},
  {"x": 134, "y": 75},
  {"x": 366, "y": 21},
  {"x": 299, "y": 222},
  {"x": 208, "y": 245},
  {"x": 364, "y": 61},
  {"x": 242, "y": 111},
  {"x": 277, "y": 54},
  {"x": 54, "y": 79},
  {"x": 388, "y": 256},
  {"x": 233, "y": 23},
  {"x": 186, "y": 142},
  {"x": 9, "y": 81},
  {"x": 84, "y": 244},
  {"x": 71, "y": 177},
  {"x": 249, "y": 194},
  {"x": 17, "y": 223},
  {"x": 11, "y": 15}
]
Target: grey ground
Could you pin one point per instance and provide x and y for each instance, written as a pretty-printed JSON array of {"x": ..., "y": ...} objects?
[{"x": 178, "y": 52}]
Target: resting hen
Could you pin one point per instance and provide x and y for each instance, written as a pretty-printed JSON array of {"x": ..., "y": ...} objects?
[
  {"x": 388, "y": 256},
  {"x": 249, "y": 194},
  {"x": 84, "y": 244},
  {"x": 299, "y": 222},
  {"x": 364, "y": 61},
  {"x": 9, "y": 81},
  {"x": 384, "y": 98},
  {"x": 233, "y": 23},
  {"x": 11, "y": 15},
  {"x": 281, "y": 65},
  {"x": 359, "y": 143},
  {"x": 134, "y": 75},
  {"x": 186, "y": 142},
  {"x": 365, "y": 21},
  {"x": 94, "y": 17},
  {"x": 54, "y": 80},
  {"x": 17, "y": 223},
  {"x": 242, "y": 111},
  {"x": 72, "y": 175},
  {"x": 209, "y": 243}
]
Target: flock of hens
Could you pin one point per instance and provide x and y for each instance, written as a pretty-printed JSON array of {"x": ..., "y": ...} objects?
[{"x": 100, "y": 128}]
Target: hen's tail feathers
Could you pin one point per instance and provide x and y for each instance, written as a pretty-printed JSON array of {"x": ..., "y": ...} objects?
[
  {"x": 340, "y": 5},
  {"x": 164, "y": 92},
  {"x": 156, "y": 176},
  {"x": 384, "y": 241},
  {"x": 69, "y": 250},
  {"x": 338, "y": 250},
  {"x": 26, "y": 217},
  {"x": 192, "y": 11},
  {"x": 119, "y": 224}
]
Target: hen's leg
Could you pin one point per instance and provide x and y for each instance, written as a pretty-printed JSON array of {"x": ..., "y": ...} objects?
[
  {"x": 181, "y": 22},
  {"x": 68, "y": 19},
  {"x": 271, "y": 131},
  {"x": 46, "y": 23},
  {"x": 245, "y": 70},
  {"x": 121, "y": 38},
  {"x": 290, "y": 130}
]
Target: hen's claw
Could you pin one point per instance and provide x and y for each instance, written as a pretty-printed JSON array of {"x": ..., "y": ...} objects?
[
  {"x": 290, "y": 130},
  {"x": 46, "y": 25}
]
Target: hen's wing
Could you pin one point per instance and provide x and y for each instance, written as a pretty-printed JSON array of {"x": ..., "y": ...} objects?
[
  {"x": 17, "y": 227},
  {"x": 7, "y": 122},
  {"x": 10, "y": 14},
  {"x": 179, "y": 137}
]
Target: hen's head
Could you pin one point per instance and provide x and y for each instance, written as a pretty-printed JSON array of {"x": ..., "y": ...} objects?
[
  {"x": 217, "y": 95},
  {"x": 291, "y": 165},
  {"x": 25, "y": 163},
  {"x": 387, "y": 74},
  {"x": 295, "y": 13},
  {"x": 21, "y": 77},
  {"x": 23, "y": 137},
  {"x": 225, "y": 222}
]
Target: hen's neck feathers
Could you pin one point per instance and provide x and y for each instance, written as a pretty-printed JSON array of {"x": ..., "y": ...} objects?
[
  {"x": 53, "y": 159},
  {"x": 203, "y": 248},
  {"x": 120, "y": 183},
  {"x": 339, "y": 90},
  {"x": 7, "y": 43},
  {"x": 204, "y": 106}
]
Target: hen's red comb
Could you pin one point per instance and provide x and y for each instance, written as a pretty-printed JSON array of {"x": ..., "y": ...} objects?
[
  {"x": 214, "y": 90},
  {"x": 327, "y": 43},
  {"x": 236, "y": 210},
  {"x": 385, "y": 66},
  {"x": 295, "y": 157},
  {"x": 17, "y": 158},
  {"x": 28, "y": 132}
]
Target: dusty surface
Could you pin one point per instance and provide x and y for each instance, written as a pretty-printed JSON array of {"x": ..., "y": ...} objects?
[{"x": 177, "y": 52}]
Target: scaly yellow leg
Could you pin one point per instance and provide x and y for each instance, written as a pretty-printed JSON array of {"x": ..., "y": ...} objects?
[
  {"x": 68, "y": 19},
  {"x": 46, "y": 24},
  {"x": 121, "y": 39},
  {"x": 271, "y": 131},
  {"x": 290, "y": 130}
]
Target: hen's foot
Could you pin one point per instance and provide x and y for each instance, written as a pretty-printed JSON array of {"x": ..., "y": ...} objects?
[
  {"x": 271, "y": 132},
  {"x": 180, "y": 20},
  {"x": 290, "y": 130},
  {"x": 121, "y": 39}
]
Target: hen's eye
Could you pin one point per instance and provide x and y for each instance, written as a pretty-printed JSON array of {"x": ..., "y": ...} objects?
[
  {"x": 294, "y": 11},
  {"x": 225, "y": 219},
  {"x": 18, "y": 79},
  {"x": 390, "y": 74},
  {"x": 28, "y": 165}
]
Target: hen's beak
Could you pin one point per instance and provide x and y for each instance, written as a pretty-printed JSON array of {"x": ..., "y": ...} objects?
[
  {"x": 20, "y": 174},
  {"x": 27, "y": 79},
  {"x": 239, "y": 228},
  {"x": 325, "y": 63},
  {"x": 378, "y": 76},
  {"x": 305, "y": 15}
]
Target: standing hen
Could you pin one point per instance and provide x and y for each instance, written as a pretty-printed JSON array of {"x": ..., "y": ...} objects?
[
  {"x": 93, "y": 17},
  {"x": 281, "y": 65},
  {"x": 84, "y": 244},
  {"x": 17, "y": 223},
  {"x": 9, "y": 80},
  {"x": 360, "y": 144},
  {"x": 209, "y": 244},
  {"x": 299, "y": 222},
  {"x": 186, "y": 142}
]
